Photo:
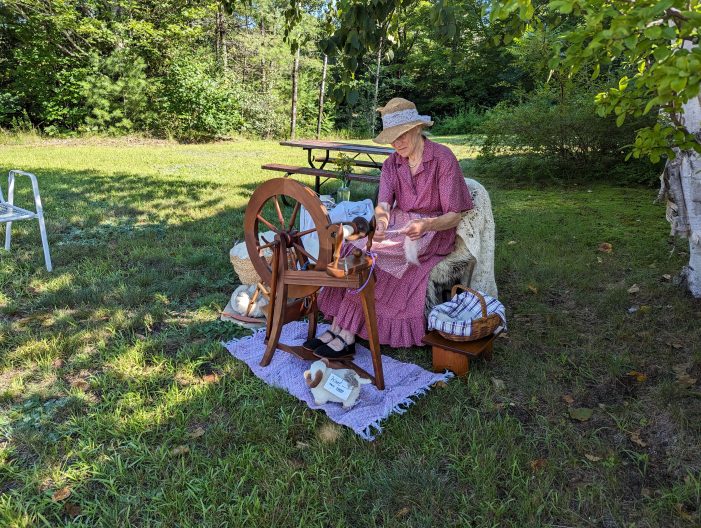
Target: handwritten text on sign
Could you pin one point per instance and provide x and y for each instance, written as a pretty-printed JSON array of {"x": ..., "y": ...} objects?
[{"x": 338, "y": 387}]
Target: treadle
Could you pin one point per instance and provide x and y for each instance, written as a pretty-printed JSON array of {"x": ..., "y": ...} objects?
[{"x": 10, "y": 213}]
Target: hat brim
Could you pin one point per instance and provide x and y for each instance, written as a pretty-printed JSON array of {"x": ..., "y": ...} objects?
[{"x": 389, "y": 135}]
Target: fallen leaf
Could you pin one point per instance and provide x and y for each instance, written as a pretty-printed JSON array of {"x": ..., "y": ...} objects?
[
  {"x": 599, "y": 260},
  {"x": 639, "y": 376},
  {"x": 538, "y": 464},
  {"x": 440, "y": 384},
  {"x": 140, "y": 337},
  {"x": 532, "y": 288},
  {"x": 667, "y": 277},
  {"x": 646, "y": 492},
  {"x": 180, "y": 450},
  {"x": 210, "y": 378},
  {"x": 675, "y": 345},
  {"x": 61, "y": 494},
  {"x": 635, "y": 438},
  {"x": 503, "y": 335},
  {"x": 302, "y": 445},
  {"x": 196, "y": 432},
  {"x": 80, "y": 384},
  {"x": 329, "y": 433},
  {"x": 568, "y": 399},
  {"x": 685, "y": 380},
  {"x": 592, "y": 458},
  {"x": 499, "y": 385},
  {"x": 72, "y": 510},
  {"x": 645, "y": 308},
  {"x": 511, "y": 242},
  {"x": 403, "y": 512},
  {"x": 581, "y": 414},
  {"x": 681, "y": 510},
  {"x": 634, "y": 289},
  {"x": 57, "y": 363},
  {"x": 605, "y": 247}
]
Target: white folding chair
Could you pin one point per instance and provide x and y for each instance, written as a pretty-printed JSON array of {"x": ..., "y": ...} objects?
[{"x": 11, "y": 213}]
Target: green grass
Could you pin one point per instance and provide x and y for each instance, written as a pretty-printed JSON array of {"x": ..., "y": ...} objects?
[{"x": 106, "y": 365}]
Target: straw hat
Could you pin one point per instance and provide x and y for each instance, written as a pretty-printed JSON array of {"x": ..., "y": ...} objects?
[{"x": 398, "y": 116}]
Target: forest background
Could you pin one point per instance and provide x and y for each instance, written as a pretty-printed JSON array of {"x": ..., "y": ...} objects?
[{"x": 198, "y": 71}]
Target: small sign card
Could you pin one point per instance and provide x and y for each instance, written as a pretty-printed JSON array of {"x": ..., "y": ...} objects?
[{"x": 338, "y": 386}]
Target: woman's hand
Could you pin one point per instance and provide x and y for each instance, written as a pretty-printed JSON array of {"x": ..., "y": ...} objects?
[
  {"x": 379, "y": 235},
  {"x": 416, "y": 228}
]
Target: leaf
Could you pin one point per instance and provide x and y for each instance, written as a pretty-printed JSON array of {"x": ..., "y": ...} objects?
[
  {"x": 532, "y": 288},
  {"x": 511, "y": 242},
  {"x": 440, "y": 384},
  {"x": 499, "y": 385},
  {"x": 180, "y": 450},
  {"x": 592, "y": 458},
  {"x": 634, "y": 289},
  {"x": 639, "y": 376},
  {"x": 80, "y": 384},
  {"x": 403, "y": 512},
  {"x": 568, "y": 399},
  {"x": 301, "y": 445},
  {"x": 57, "y": 363},
  {"x": 538, "y": 464},
  {"x": 605, "y": 247},
  {"x": 61, "y": 494},
  {"x": 71, "y": 509},
  {"x": 635, "y": 438},
  {"x": 210, "y": 378},
  {"x": 581, "y": 414},
  {"x": 667, "y": 277},
  {"x": 196, "y": 432}
]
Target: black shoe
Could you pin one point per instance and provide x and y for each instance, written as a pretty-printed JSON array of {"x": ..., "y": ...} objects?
[
  {"x": 325, "y": 351},
  {"x": 314, "y": 343}
]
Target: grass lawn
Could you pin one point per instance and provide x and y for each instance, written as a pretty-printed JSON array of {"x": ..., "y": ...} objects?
[{"x": 114, "y": 387}]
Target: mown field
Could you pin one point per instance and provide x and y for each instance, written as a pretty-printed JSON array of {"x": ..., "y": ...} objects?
[{"x": 119, "y": 406}]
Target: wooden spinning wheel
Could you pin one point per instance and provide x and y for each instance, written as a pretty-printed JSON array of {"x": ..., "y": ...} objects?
[{"x": 295, "y": 274}]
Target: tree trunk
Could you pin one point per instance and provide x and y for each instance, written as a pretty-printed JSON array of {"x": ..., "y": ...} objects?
[
  {"x": 321, "y": 96},
  {"x": 222, "y": 52},
  {"x": 295, "y": 74},
  {"x": 373, "y": 116},
  {"x": 681, "y": 185}
]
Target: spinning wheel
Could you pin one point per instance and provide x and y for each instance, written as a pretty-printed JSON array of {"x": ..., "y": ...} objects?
[{"x": 295, "y": 274}]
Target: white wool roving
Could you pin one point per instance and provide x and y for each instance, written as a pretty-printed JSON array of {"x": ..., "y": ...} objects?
[{"x": 411, "y": 250}]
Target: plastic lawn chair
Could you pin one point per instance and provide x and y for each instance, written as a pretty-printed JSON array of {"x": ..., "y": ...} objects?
[{"x": 11, "y": 213}]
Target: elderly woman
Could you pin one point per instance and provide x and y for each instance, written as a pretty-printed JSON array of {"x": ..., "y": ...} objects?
[{"x": 421, "y": 200}]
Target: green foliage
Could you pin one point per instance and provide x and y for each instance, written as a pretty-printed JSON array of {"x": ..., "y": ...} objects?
[
  {"x": 117, "y": 95},
  {"x": 657, "y": 41},
  {"x": 195, "y": 102},
  {"x": 466, "y": 121},
  {"x": 555, "y": 132}
]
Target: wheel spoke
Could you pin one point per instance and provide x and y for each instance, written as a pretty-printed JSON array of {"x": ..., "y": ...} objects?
[
  {"x": 302, "y": 233},
  {"x": 304, "y": 252},
  {"x": 279, "y": 212},
  {"x": 293, "y": 217},
  {"x": 266, "y": 246},
  {"x": 271, "y": 226}
]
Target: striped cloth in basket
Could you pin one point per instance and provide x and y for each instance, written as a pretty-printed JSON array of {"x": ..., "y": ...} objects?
[{"x": 455, "y": 316}]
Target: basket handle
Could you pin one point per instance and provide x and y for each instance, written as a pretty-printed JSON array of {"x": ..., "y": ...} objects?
[{"x": 477, "y": 294}]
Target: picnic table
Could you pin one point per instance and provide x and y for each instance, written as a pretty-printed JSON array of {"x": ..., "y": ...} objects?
[{"x": 321, "y": 153}]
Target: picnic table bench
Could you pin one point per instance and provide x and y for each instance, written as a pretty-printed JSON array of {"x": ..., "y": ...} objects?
[{"x": 319, "y": 155}]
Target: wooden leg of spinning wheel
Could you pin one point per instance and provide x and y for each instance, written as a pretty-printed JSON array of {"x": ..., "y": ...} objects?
[
  {"x": 278, "y": 321},
  {"x": 368, "y": 299},
  {"x": 312, "y": 317}
]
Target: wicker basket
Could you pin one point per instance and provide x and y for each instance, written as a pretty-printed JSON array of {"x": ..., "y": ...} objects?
[
  {"x": 481, "y": 327},
  {"x": 244, "y": 267}
]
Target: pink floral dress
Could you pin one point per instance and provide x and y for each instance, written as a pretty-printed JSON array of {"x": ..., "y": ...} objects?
[{"x": 438, "y": 187}]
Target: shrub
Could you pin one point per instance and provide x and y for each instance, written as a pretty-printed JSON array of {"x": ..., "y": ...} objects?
[
  {"x": 467, "y": 121},
  {"x": 556, "y": 133}
]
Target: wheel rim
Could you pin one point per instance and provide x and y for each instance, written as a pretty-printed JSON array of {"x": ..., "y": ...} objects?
[{"x": 266, "y": 211}]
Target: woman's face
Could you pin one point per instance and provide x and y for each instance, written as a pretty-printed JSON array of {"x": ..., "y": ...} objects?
[{"x": 408, "y": 142}]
